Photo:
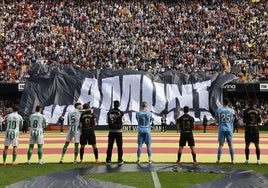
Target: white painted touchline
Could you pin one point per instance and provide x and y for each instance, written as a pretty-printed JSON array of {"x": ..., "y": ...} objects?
[{"x": 156, "y": 180}]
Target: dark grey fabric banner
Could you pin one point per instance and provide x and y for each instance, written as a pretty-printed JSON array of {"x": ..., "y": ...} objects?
[{"x": 58, "y": 89}]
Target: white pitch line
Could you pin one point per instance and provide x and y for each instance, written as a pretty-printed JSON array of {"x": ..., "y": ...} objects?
[{"x": 156, "y": 180}]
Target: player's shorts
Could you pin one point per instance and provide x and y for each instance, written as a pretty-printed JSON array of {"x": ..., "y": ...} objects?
[
  {"x": 187, "y": 137},
  {"x": 144, "y": 137},
  {"x": 37, "y": 139},
  {"x": 252, "y": 135},
  {"x": 14, "y": 141},
  {"x": 73, "y": 135},
  {"x": 89, "y": 138},
  {"x": 225, "y": 134}
]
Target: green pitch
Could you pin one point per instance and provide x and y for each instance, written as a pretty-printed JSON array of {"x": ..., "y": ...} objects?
[{"x": 12, "y": 174}]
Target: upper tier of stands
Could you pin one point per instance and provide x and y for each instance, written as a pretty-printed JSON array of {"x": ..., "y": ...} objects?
[{"x": 145, "y": 35}]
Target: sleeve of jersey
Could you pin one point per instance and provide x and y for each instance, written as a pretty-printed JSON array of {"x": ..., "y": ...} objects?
[
  {"x": 94, "y": 117},
  {"x": 151, "y": 118},
  {"x": 192, "y": 123},
  {"x": 259, "y": 116},
  {"x": 107, "y": 118},
  {"x": 217, "y": 115},
  {"x": 21, "y": 120},
  {"x": 44, "y": 123},
  {"x": 123, "y": 120}
]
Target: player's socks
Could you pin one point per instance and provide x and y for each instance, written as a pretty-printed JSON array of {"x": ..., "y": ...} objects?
[
  {"x": 178, "y": 157},
  {"x": 64, "y": 149},
  {"x": 76, "y": 148},
  {"x": 194, "y": 157},
  {"x": 231, "y": 149},
  {"x": 258, "y": 153},
  {"x": 247, "y": 153},
  {"x": 14, "y": 156},
  {"x": 139, "y": 151},
  {"x": 96, "y": 154},
  {"x": 30, "y": 151},
  {"x": 40, "y": 151},
  {"x": 4, "y": 157},
  {"x": 149, "y": 151},
  {"x": 219, "y": 154},
  {"x": 82, "y": 153}
]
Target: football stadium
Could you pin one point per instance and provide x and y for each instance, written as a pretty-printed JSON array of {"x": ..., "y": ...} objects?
[{"x": 134, "y": 93}]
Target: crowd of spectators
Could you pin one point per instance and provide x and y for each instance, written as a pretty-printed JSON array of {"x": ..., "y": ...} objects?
[
  {"x": 5, "y": 108},
  {"x": 182, "y": 35},
  {"x": 240, "y": 105}
]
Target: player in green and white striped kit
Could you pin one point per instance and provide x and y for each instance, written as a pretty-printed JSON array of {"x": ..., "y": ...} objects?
[
  {"x": 37, "y": 124},
  {"x": 14, "y": 122},
  {"x": 73, "y": 132}
]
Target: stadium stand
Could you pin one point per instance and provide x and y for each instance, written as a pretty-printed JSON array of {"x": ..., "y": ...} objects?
[
  {"x": 155, "y": 36},
  {"x": 145, "y": 35}
]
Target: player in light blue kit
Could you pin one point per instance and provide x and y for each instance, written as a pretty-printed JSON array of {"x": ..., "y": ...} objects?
[
  {"x": 73, "y": 131},
  {"x": 144, "y": 118},
  {"x": 224, "y": 116},
  {"x": 37, "y": 124}
]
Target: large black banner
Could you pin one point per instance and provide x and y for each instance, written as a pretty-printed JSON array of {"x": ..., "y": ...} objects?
[{"x": 165, "y": 93}]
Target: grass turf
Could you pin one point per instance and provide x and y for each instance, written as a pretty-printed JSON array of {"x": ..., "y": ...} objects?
[
  {"x": 12, "y": 174},
  {"x": 167, "y": 179}
]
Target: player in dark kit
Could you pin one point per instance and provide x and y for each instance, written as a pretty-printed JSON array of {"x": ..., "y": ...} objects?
[
  {"x": 87, "y": 124},
  {"x": 252, "y": 118},
  {"x": 185, "y": 124},
  {"x": 115, "y": 120},
  {"x": 163, "y": 123},
  {"x": 205, "y": 123}
]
